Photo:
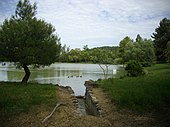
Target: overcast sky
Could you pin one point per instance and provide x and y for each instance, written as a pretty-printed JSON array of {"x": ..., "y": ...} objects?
[{"x": 97, "y": 22}]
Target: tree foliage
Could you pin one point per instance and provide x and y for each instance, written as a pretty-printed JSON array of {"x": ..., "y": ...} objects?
[
  {"x": 26, "y": 40},
  {"x": 126, "y": 48},
  {"x": 161, "y": 38},
  {"x": 167, "y": 52},
  {"x": 25, "y": 10},
  {"x": 141, "y": 50},
  {"x": 94, "y": 55},
  {"x": 64, "y": 53},
  {"x": 145, "y": 51}
]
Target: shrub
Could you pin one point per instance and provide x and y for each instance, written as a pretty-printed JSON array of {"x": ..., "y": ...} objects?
[
  {"x": 146, "y": 64},
  {"x": 134, "y": 69}
]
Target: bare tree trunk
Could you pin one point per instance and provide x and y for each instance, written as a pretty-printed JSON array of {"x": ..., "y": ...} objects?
[
  {"x": 105, "y": 72},
  {"x": 27, "y": 74}
]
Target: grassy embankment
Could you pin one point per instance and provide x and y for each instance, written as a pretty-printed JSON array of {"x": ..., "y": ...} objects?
[
  {"x": 145, "y": 93},
  {"x": 16, "y": 98}
]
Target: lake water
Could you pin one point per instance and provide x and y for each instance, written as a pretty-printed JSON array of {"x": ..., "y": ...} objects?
[{"x": 65, "y": 74}]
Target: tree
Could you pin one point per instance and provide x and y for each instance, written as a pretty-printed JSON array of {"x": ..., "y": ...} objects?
[
  {"x": 64, "y": 53},
  {"x": 125, "y": 49},
  {"x": 138, "y": 38},
  {"x": 25, "y": 10},
  {"x": 85, "y": 56},
  {"x": 26, "y": 40},
  {"x": 74, "y": 55},
  {"x": 85, "y": 47},
  {"x": 161, "y": 38},
  {"x": 167, "y": 51},
  {"x": 102, "y": 59},
  {"x": 144, "y": 51}
]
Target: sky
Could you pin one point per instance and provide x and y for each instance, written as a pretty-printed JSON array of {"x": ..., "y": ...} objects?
[{"x": 97, "y": 22}]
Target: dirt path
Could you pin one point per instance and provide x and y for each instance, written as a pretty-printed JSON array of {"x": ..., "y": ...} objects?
[
  {"x": 120, "y": 118},
  {"x": 68, "y": 116},
  {"x": 65, "y": 116}
]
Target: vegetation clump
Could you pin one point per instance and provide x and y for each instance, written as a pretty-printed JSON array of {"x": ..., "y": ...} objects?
[{"x": 134, "y": 68}]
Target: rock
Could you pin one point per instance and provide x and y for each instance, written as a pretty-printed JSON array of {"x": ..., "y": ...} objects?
[
  {"x": 98, "y": 107},
  {"x": 70, "y": 89},
  {"x": 75, "y": 100},
  {"x": 101, "y": 112},
  {"x": 90, "y": 91},
  {"x": 93, "y": 98},
  {"x": 72, "y": 95},
  {"x": 90, "y": 84},
  {"x": 95, "y": 101}
]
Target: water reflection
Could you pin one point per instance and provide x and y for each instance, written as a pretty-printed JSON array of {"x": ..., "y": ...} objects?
[{"x": 65, "y": 74}]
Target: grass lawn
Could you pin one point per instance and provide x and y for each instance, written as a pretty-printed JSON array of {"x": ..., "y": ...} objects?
[
  {"x": 145, "y": 93},
  {"x": 16, "y": 98}
]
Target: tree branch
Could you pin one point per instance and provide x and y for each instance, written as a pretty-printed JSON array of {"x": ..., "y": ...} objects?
[
  {"x": 57, "y": 105},
  {"x": 103, "y": 70}
]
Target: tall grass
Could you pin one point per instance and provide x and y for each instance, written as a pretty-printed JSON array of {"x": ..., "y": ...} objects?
[
  {"x": 16, "y": 98},
  {"x": 145, "y": 93}
]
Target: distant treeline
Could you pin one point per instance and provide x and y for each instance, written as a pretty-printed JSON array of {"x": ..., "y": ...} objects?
[
  {"x": 93, "y": 55},
  {"x": 141, "y": 50}
]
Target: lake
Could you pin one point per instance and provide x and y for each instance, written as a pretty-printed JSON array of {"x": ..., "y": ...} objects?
[{"x": 65, "y": 74}]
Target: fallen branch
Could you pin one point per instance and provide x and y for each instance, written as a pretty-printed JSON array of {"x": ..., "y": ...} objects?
[{"x": 57, "y": 105}]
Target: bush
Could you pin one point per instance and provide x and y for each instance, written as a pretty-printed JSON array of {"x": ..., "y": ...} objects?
[
  {"x": 134, "y": 69},
  {"x": 146, "y": 64}
]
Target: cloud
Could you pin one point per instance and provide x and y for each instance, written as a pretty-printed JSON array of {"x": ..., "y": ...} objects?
[
  {"x": 101, "y": 22},
  {"x": 6, "y": 7}
]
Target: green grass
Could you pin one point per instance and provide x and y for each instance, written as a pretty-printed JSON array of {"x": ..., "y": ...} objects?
[
  {"x": 145, "y": 93},
  {"x": 16, "y": 98}
]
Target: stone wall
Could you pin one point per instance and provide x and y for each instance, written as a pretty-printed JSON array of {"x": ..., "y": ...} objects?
[
  {"x": 78, "y": 101},
  {"x": 92, "y": 106}
]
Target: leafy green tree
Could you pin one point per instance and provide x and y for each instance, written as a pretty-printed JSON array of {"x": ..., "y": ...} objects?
[
  {"x": 85, "y": 56},
  {"x": 25, "y": 10},
  {"x": 161, "y": 38},
  {"x": 144, "y": 51},
  {"x": 75, "y": 55},
  {"x": 125, "y": 49},
  {"x": 26, "y": 40},
  {"x": 64, "y": 54},
  {"x": 167, "y": 51}
]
